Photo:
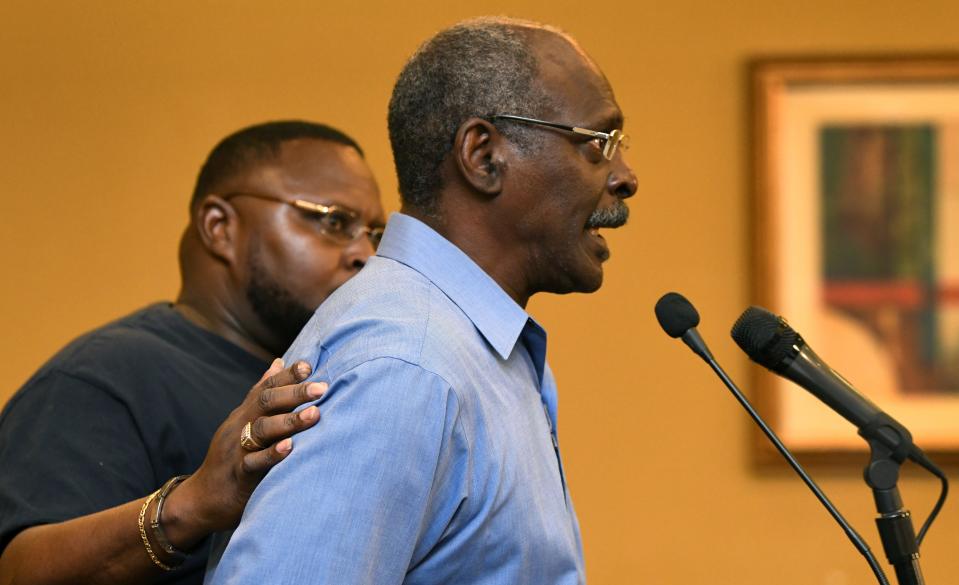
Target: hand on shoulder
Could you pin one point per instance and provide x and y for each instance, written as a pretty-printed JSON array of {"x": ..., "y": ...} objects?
[{"x": 254, "y": 437}]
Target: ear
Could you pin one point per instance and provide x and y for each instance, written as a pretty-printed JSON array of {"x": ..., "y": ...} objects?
[
  {"x": 217, "y": 224},
  {"x": 478, "y": 154}
]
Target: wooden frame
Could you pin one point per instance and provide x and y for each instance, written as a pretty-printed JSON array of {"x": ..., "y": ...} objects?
[{"x": 855, "y": 168}]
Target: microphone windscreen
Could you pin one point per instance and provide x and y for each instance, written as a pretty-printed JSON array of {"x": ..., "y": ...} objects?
[
  {"x": 675, "y": 314},
  {"x": 765, "y": 337}
]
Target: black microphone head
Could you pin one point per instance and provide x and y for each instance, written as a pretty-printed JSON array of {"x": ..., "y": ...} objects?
[
  {"x": 766, "y": 338},
  {"x": 675, "y": 314}
]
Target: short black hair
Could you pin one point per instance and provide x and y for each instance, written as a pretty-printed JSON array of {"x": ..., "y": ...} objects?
[
  {"x": 257, "y": 144},
  {"x": 477, "y": 68}
]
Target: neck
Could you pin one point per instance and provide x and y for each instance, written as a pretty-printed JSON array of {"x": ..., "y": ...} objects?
[
  {"x": 494, "y": 252},
  {"x": 207, "y": 313}
]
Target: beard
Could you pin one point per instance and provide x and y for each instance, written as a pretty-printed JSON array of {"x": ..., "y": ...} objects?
[{"x": 275, "y": 306}]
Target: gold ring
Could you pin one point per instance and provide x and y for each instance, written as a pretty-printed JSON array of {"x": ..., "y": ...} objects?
[{"x": 246, "y": 438}]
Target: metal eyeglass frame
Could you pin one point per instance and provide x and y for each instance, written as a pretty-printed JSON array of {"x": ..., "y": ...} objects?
[
  {"x": 611, "y": 140},
  {"x": 374, "y": 234}
]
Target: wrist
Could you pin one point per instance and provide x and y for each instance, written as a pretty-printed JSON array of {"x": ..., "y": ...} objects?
[{"x": 181, "y": 518}]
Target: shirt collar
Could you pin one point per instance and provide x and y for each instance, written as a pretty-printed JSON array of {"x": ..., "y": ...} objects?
[{"x": 493, "y": 312}]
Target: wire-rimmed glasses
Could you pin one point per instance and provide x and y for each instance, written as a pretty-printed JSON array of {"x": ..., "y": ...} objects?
[
  {"x": 609, "y": 141},
  {"x": 339, "y": 223}
]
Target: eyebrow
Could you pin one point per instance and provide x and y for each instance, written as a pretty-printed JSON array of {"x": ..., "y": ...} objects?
[{"x": 610, "y": 121}]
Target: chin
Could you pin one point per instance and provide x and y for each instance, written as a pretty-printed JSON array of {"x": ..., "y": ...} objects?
[
  {"x": 589, "y": 277},
  {"x": 592, "y": 285},
  {"x": 579, "y": 283}
]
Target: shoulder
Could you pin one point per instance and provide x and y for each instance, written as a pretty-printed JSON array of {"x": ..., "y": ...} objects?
[
  {"x": 115, "y": 350},
  {"x": 387, "y": 311},
  {"x": 143, "y": 329},
  {"x": 390, "y": 386}
]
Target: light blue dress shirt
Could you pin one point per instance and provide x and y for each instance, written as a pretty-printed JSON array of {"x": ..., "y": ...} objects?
[{"x": 435, "y": 459}]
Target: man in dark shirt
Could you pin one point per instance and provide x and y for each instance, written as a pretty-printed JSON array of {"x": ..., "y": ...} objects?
[{"x": 282, "y": 214}]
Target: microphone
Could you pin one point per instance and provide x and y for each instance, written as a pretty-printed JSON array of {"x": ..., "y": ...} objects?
[
  {"x": 679, "y": 319},
  {"x": 769, "y": 341}
]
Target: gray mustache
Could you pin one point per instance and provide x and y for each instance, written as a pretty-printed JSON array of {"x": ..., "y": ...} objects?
[{"x": 610, "y": 217}]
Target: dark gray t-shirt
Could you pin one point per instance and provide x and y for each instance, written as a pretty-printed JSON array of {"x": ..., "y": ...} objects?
[{"x": 114, "y": 415}]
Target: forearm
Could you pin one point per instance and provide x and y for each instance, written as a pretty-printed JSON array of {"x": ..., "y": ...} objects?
[{"x": 101, "y": 548}]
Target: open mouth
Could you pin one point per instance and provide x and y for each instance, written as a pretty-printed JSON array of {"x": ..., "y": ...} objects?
[
  {"x": 596, "y": 244},
  {"x": 594, "y": 232}
]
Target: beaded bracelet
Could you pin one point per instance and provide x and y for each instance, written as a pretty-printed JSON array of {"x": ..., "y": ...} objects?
[
  {"x": 143, "y": 534},
  {"x": 158, "y": 534}
]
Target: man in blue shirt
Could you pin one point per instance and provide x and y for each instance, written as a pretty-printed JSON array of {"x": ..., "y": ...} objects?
[{"x": 438, "y": 460}]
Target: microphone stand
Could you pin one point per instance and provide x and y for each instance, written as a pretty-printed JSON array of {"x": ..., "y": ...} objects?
[
  {"x": 890, "y": 443},
  {"x": 894, "y": 521}
]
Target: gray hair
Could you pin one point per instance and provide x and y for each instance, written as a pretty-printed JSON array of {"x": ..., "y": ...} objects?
[{"x": 477, "y": 68}]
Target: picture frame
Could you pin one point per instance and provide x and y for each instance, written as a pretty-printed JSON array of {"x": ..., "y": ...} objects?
[{"x": 855, "y": 191}]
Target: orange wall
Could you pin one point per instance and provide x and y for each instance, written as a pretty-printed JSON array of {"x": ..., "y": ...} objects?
[{"x": 107, "y": 109}]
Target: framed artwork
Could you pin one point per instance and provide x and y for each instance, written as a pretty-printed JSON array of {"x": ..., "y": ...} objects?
[{"x": 856, "y": 238}]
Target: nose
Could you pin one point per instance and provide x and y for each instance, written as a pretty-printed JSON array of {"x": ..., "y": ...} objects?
[
  {"x": 357, "y": 253},
  {"x": 622, "y": 182}
]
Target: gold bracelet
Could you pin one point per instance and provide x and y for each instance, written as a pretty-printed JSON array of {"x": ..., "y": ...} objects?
[{"x": 143, "y": 534}]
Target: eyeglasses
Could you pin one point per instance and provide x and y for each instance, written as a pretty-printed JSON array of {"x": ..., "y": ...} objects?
[
  {"x": 608, "y": 141},
  {"x": 340, "y": 224}
]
